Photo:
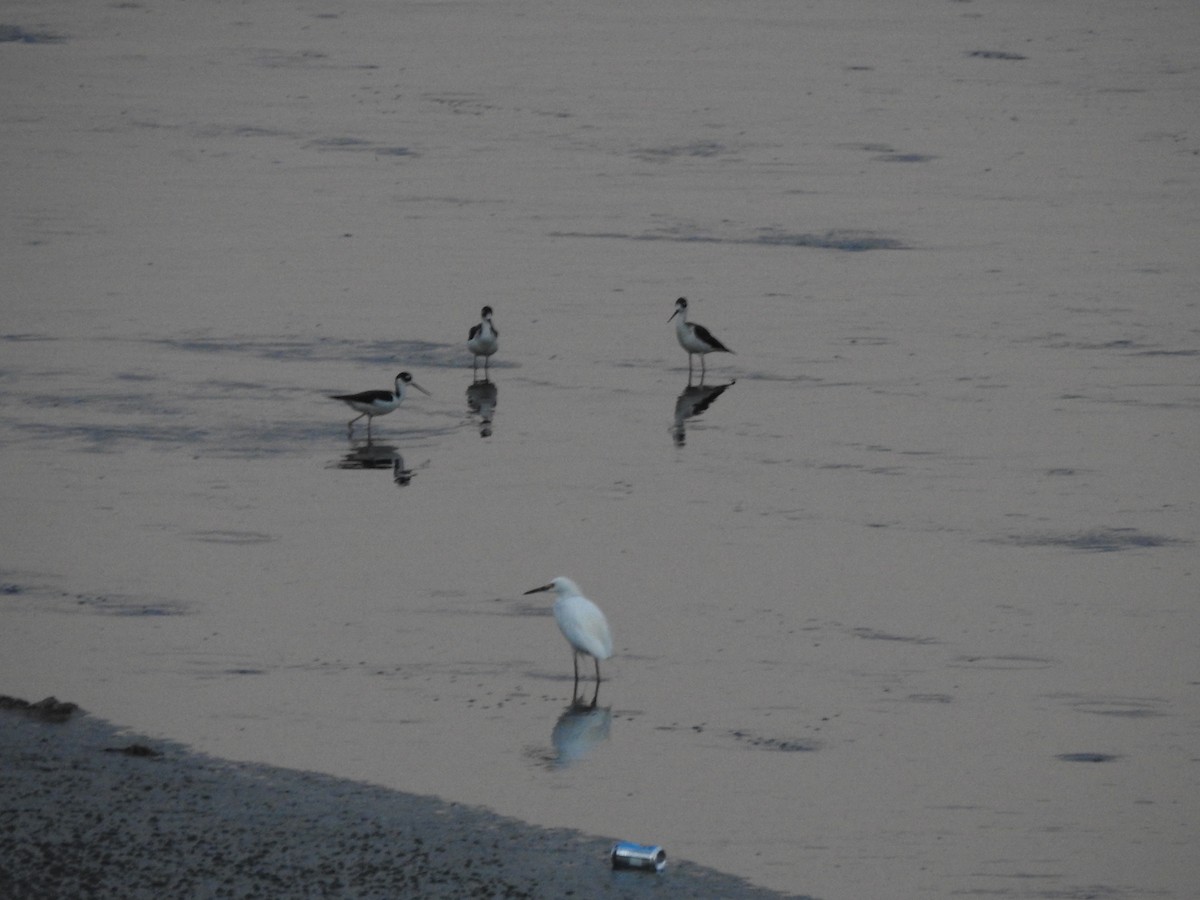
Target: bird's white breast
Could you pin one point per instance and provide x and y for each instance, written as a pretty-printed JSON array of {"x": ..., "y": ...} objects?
[
  {"x": 688, "y": 339},
  {"x": 584, "y": 626}
]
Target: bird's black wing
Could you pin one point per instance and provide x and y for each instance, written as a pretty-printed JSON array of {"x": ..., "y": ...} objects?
[
  {"x": 705, "y": 335},
  {"x": 365, "y": 397}
]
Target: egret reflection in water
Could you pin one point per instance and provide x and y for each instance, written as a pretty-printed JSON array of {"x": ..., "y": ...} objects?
[
  {"x": 579, "y": 730},
  {"x": 694, "y": 400},
  {"x": 371, "y": 455},
  {"x": 481, "y": 401}
]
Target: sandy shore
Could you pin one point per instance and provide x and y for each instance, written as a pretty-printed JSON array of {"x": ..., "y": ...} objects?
[{"x": 91, "y": 810}]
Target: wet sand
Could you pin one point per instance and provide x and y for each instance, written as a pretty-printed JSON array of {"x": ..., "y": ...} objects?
[
  {"x": 906, "y": 609},
  {"x": 90, "y": 810}
]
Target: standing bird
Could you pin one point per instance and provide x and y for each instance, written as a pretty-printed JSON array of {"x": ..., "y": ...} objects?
[
  {"x": 581, "y": 622},
  {"x": 482, "y": 340},
  {"x": 694, "y": 338},
  {"x": 377, "y": 403}
]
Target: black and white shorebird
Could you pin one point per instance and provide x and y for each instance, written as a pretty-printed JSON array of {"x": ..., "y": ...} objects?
[
  {"x": 694, "y": 338},
  {"x": 482, "y": 340},
  {"x": 377, "y": 403}
]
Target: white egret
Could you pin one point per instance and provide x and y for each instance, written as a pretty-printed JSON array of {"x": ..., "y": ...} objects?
[
  {"x": 377, "y": 403},
  {"x": 581, "y": 622}
]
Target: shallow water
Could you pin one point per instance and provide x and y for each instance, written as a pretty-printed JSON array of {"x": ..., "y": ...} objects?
[{"x": 914, "y": 589}]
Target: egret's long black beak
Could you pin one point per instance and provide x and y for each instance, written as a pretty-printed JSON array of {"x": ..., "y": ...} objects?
[
  {"x": 538, "y": 590},
  {"x": 673, "y": 315},
  {"x": 421, "y": 389}
]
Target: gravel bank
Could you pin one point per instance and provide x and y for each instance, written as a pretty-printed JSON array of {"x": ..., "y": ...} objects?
[{"x": 90, "y": 810}]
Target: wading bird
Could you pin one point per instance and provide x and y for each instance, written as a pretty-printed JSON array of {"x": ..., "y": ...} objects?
[
  {"x": 482, "y": 339},
  {"x": 694, "y": 338},
  {"x": 377, "y": 403},
  {"x": 581, "y": 622}
]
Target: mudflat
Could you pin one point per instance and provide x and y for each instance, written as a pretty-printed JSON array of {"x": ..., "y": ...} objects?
[{"x": 902, "y": 592}]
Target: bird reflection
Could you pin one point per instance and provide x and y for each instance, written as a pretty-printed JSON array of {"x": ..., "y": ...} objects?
[
  {"x": 370, "y": 455},
  {"x": 481, "y": 400},
  {"x": 694, "y": 400},
  {"x": 579, "y": 730}
]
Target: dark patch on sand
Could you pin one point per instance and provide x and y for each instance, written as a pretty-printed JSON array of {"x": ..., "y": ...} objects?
[
  {"x": 301, "y": 59},
  {"x": 231, "y": 537},
  {"x": 1002, "y": 663},
  {"x": 1096, "y": 540},
  {"x": 1118, "y": 707},
  {"x": 1184, "y": 353},
  {"x": 994, "y": 54},
  {"x": 870, "y": 634},
  {"x": 845, "y": 240},
  {"x": 783, "y": 745},
  {"x": 414, "y": 354},
  {"x": 905, "y": 157},
  {"x": 104, "y": 604},
  {"x": 703, "y": 149},
  {"x": 111, "y": 605},
  {"x": 15, "y": 34}
]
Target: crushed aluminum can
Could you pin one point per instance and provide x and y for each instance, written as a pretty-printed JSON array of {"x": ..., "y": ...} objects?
[{"x": 628, "y": 855}]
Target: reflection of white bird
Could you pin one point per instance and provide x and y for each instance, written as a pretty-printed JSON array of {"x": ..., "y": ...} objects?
[
  {"x": 482, "y": 339},
  {"x": 377, "y": 403},
  {"x": 581, "y": 622},
  {"x": 578, "y": 731},
  {"x": 694, "y": 338}
]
